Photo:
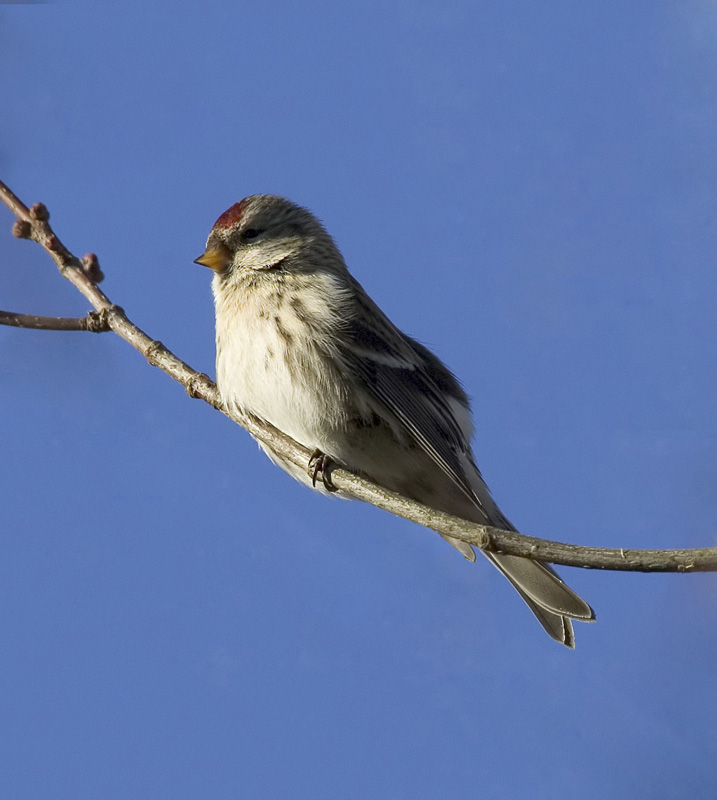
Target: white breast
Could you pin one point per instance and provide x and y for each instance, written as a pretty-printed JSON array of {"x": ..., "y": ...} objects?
[{"x": 267, "y": 360}]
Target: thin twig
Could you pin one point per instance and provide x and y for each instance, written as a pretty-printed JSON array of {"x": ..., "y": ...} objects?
[
  {"x": 33, "y": 224},
  {"x": 94, "y": 322}
]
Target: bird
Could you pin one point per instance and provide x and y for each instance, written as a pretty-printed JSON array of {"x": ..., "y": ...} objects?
[{"x": 300, "y": 344}]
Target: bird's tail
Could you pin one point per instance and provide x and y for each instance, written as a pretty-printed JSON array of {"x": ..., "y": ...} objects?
[{"x": 552, "y": 601}]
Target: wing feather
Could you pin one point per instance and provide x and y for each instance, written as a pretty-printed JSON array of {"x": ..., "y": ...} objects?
[{"x": 412, "y": 386}]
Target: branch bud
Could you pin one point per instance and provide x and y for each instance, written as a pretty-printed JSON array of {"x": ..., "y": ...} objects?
[
  {"x": 92, "y": 268},
  {"x": 22, "y": 229},
  {"x": 39, "y": 212}
]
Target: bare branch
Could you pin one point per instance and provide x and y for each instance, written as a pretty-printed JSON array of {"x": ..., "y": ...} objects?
[
  {"x": 84, "y": 274},
  {"x": 94, "y": 322}
]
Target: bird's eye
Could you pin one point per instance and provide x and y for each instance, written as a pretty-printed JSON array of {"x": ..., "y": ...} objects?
[{"x": 250, "y": 233}]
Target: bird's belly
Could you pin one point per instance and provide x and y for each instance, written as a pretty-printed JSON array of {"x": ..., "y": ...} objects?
[{"x": 261, "y": 372}]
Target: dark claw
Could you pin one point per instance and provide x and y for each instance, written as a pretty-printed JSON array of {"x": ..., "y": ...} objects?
[{"x": 321, "y": 463}]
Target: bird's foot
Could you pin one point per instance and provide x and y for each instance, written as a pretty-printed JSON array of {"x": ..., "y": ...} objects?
[{"x": 320, "y": 463}]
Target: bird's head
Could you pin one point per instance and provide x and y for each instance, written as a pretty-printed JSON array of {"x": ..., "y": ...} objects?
[{"x": 271, "y": 234}]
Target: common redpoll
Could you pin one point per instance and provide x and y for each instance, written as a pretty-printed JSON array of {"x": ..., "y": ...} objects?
[{"x": 301, "y": 345}]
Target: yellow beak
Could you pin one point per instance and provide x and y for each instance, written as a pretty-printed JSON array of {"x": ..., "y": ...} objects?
[{"x": 217, "y": 258}]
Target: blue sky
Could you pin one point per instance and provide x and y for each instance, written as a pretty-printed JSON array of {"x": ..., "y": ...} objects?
[{"x": 527, "y": 188}]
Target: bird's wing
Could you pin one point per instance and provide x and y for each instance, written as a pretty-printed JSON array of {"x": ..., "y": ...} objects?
[{"x": 412, "y": 385}]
